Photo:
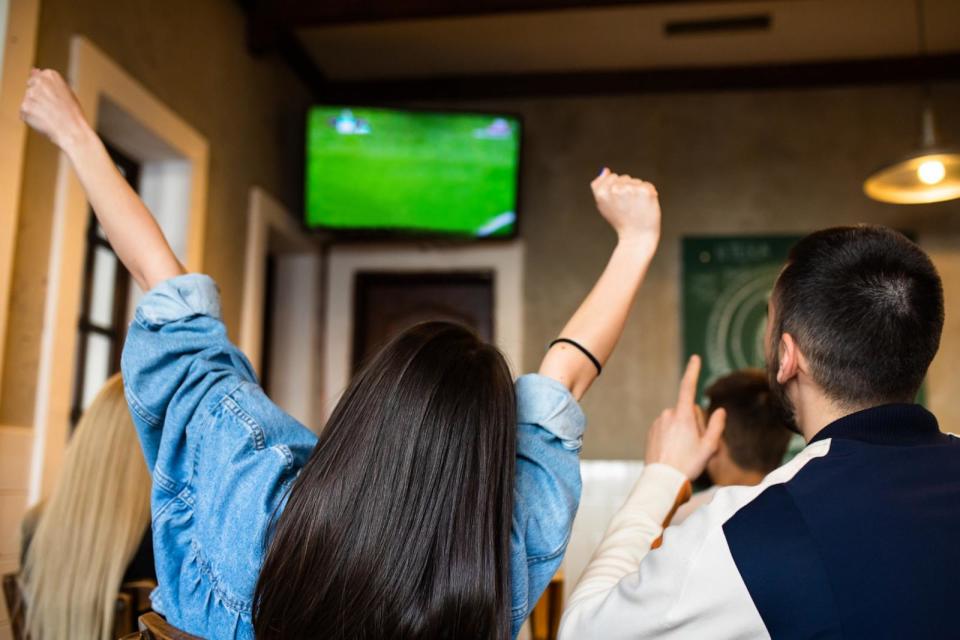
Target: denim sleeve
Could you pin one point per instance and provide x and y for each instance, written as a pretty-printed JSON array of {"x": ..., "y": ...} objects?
[
  {"x": 176, "y": 353},
  {"x": 221, "y": 455},
  {"x": 547, "y": 493}
]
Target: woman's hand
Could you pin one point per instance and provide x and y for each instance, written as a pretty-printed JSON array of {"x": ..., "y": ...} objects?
[
  {"x": 681, "y": 437},
  {"x": 50, "y": 107},
  {"x": 631, "y": 206}
]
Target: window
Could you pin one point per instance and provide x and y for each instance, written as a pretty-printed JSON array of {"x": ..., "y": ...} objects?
[{"x": 103, "y": 307}]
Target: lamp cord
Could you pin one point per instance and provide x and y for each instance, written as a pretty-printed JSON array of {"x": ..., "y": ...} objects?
[
  {"x": 921, "y": 29},
  {"x": 928, "y": 135}
]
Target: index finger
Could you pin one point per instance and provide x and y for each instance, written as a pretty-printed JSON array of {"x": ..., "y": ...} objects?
[{"x": 688, "y": 385}]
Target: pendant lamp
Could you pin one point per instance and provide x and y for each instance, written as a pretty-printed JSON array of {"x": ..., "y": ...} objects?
[{"x": 929, "y": 174}]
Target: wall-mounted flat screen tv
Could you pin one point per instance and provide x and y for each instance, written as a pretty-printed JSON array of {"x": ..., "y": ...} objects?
[{"x": 388, "y": 171}]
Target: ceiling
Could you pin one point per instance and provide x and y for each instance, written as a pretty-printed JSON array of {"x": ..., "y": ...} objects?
[
  {"x": 630, "y": 37},
  {"x": 409, "y": 48}
]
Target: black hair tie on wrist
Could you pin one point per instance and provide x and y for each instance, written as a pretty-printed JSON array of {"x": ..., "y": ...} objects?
[{"x": 582, "y": 349}]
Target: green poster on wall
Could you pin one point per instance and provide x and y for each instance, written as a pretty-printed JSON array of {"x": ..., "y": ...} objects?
[{"x": 726, "y": 283}]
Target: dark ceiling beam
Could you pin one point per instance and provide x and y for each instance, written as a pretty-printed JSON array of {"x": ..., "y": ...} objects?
[
  {"x": 266, "y": 35},
  {"x": 263, "y": 29},
  {"x": 311, "y": 13},
  {"x": 905, "y": 70},
  {"x": 292, "y": 51}
]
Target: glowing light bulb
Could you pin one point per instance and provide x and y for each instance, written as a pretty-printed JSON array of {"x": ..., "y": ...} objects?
[{"x": 931, "y": 172}]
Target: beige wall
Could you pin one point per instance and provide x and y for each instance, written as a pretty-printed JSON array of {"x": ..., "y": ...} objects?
[
  {"x": 191, "y": 55},
  {"x": 737, "y": 162}
]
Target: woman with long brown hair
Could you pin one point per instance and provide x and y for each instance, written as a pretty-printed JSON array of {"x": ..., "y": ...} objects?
[{"x": 436, "y": 503}]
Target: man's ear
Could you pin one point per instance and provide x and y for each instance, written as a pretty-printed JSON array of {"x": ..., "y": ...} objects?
[
  {"x": 790, "y": 359},
  {"x": 722, "y": 450}
]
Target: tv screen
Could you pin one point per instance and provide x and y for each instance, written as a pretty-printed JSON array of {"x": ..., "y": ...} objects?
[{"x": 415, "y": 172}]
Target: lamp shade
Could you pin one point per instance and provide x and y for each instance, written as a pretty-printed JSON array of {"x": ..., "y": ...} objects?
[{"x": 931, "y": 175}]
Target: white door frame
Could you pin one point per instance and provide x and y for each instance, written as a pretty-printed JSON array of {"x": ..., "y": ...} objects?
[
  {"x": 504, "y": 260},
  {"x": 297, "y": 320},
  {"x": 266, "y": 219}
]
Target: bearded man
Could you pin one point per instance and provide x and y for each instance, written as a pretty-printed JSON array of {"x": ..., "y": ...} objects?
[{"x": 856, "y": 537}]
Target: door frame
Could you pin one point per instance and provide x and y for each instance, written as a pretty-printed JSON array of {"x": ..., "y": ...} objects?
[
  {"x": 504, "y": 260},
  {"x": 273, "y": 231}
]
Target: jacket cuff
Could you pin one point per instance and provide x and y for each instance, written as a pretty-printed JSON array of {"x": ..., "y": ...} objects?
[
  {"x": 184, "y": 296},
  {"x": 544, "y": 401}
]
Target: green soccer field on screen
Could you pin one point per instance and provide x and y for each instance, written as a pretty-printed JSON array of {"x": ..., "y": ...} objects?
[{"x": 417, "y": 172}]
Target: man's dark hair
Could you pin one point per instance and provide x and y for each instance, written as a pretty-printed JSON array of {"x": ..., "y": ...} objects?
[
  {"x": 865, "y": 305},
  {"x": 399, "y": 524},
  {"x": 756, "y": 434}
]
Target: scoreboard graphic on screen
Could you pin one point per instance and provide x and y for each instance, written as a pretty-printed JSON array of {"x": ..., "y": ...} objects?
[{"x": 726, "y": 284}]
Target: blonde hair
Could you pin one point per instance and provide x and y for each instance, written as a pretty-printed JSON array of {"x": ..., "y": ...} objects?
[{"x": 90, "y": 527}]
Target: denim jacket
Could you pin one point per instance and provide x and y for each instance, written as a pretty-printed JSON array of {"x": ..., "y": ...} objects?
[{"x": 222, "y": 456}]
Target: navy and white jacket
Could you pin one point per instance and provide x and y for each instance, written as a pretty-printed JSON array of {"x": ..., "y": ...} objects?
[{"x": 856, "y": 537}]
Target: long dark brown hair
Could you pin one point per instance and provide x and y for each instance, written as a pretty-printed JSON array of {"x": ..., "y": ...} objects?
[{"x": 399, "y": 524}]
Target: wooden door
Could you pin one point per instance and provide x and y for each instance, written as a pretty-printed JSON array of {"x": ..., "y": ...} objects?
[{"x": 386, "y": 303}]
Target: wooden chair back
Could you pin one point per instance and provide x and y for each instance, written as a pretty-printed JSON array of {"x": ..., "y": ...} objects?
[
  {"x": 14, "y": 600},
  {"x": 545, "y": 617},
  {"x": 154, "y": 627}
]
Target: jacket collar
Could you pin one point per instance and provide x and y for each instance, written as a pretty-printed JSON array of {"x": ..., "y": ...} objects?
[{"x": 889, "y": 424}]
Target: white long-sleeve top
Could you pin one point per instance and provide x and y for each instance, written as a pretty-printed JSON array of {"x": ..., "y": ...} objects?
[{"x": 689, "y": 587}]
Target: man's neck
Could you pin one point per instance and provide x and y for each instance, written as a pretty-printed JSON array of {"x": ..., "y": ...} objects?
[
  {"x": 734, "y": 475},
  {"x": 814, "y": 411}
]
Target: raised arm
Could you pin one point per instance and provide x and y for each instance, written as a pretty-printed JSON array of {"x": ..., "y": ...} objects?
[
  {"x": 679, "y": 444},
  {"x": 632, "y": 208},
  {"x": 51, "y": 108}
]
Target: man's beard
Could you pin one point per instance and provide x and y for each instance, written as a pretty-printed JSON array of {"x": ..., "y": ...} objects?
[{"x": 785, "y": 406}]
